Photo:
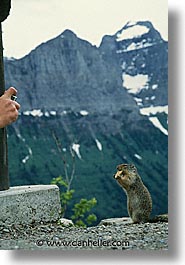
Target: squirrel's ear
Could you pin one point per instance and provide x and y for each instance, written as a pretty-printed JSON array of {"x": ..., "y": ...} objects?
[{"x": 118, "y": 167}]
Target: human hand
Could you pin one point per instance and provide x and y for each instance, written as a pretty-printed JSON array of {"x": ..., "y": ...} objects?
[{"x": 8, "y": 108}]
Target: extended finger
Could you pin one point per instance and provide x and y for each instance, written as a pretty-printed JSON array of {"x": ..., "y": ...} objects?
[{"x": 11, "y": 91}]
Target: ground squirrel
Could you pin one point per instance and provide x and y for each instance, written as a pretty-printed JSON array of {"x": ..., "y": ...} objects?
[{"x": 139, "y": 202}]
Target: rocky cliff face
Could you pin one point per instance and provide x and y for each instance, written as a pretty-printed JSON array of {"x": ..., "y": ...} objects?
[
  {"x": 143, "y": 57},
  {"x": 109, "y": 104},
  {"x": 67, "y": 73}
]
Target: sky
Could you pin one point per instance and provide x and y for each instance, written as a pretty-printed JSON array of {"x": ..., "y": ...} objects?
[{"x": 33, "y": 22}]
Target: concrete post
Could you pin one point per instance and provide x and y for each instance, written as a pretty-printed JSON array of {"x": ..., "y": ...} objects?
[{"x": 29, "y": 205}]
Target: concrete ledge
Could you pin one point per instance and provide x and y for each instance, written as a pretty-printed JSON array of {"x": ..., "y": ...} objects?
[
  {"x": 116, "y": 221},
  {"x": 29, "y": 204}
]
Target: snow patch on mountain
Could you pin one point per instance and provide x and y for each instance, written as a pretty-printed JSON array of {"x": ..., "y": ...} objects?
[
  {"x": 155, "y": 86},
  {"x": 138, "y": 45},
  {"x": 138, "y": 156},
  {"x": 76, "y": 149},
  {"x": 84, "y": 112},
  {"x": 27, "y": 157},
  {"x": 131, "y": 32},
  {"x": 53, "y": 112},
  {"x": 135, "y": 83},
  {"x": 158, "y": 125},
  {"x": 138, "y": 101},
  {"x": 154, "y": 110},
  {"x": 46, "y": 114},
  {"x": 99, "y": 145},
  {"x": 24, "y": 160},
  {"x": 39, "y": 113},
  {"x": 34, "y": 113}
]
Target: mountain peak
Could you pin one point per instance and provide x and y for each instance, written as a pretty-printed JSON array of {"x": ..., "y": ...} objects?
[
  {"x": 137, "y": 30},
  {"x": 131, "y": 31},
  {"x": 133, "y": 35},
  {"x": 68, "y": 33}
]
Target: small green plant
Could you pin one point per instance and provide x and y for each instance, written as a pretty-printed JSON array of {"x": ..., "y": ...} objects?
[
  {"x": 66, "y": 194},
  {"x": 81, "y": 211}
]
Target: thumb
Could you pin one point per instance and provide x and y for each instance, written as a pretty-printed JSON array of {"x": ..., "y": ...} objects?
[{"x": 11, "y": 91}]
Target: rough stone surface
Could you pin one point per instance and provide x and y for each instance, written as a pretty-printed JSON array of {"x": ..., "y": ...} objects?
[
  {"x": 65, "y": 222},
  {"x": 147, "y": 236},
  {"x": 118, "y": 221},
  {"x": 29, "y": 204}
]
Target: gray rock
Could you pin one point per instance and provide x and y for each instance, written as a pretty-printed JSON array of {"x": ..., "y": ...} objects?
[
  {"x": 116, "y": 221},
  {"x": 65, "y": 222}
]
